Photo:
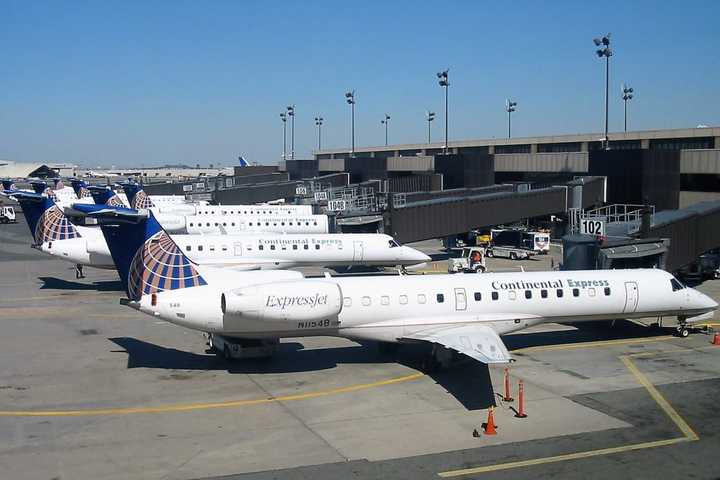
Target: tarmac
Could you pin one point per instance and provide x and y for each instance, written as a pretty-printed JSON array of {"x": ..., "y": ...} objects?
[{"x": 91, "y": 389}]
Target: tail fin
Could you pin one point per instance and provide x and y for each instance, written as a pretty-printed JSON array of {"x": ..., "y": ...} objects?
[
  {"x": 105, "y": 196},
  {"x": 80, "y": 188},
  {"x": 136, "y": 196},
  {"x": 243, "y": 162},
  {"x": 146, "y": 257},
  {"x": 41, "y": 187},
  {"x": 46, "y": 221}
]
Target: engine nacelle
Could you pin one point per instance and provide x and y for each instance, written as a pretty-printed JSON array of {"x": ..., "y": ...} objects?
[{"x": 304, "y": 300}]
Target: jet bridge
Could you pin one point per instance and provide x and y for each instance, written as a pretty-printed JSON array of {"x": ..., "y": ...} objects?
[{"x": 441, "y": 215}]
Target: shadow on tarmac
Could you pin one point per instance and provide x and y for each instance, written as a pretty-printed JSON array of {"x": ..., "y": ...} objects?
[
  {"x": 53, "y": 283},
  {"x": 469, "y": 381}
]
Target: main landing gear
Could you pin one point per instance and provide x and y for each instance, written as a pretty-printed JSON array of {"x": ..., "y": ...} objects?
[{"x": 440, "y": 358}]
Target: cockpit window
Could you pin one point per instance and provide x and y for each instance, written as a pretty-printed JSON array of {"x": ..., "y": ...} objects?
[
  {"x": 676, "y": 285},
  {"x": 393, "y": 243}
]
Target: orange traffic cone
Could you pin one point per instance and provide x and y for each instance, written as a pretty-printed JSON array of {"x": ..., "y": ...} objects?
[
  {"x": 716, "y": 339},
  {"x": 489, "y": 428}
]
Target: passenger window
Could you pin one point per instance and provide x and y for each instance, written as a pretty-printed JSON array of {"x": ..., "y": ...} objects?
[
  {"x": 261, "y": 247},
  {"x": 366, "y": 301},
  {"x": 543, "y": 293},
  {"x": 272, "y": 247},
  {"x": 421, "y": 298},
  {"x": 607, "y": 291},
  {"x": 294, "y": 247},
  {"x": 315, "y": 223},
  {"x": 385, "y": 300},
  {"x": 200, "y": 248},
  {"x": 188, "y": 248},
  {"x": 224, "y": 248},
  {"x": 576, "y": 292},
  {"x": 512, "y": 295},
  {"x": 559, "y": 292},
  {"x": 478, "y": 296},
  {"x": 591, "y": 292},
  {"x": 317, "y": 246},
  {"x": 495, "y": 295},
  {"x": 306, "y": 246},
  {"x": 528, "y": 294},
  {"x": 191, "y": 224},
  {"x": 347, "y": 302},
  {"x": 403, "y": 300},
  {"x": 440, "y": 298},
  {"x": 233, "y": 224},
  {"x": 212, "y": 248}
]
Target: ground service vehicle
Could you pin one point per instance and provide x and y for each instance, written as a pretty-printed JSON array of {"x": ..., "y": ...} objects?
[
  {"x": 7, "y": 215},
  {"x": 508, "y": 252},
  {"x": 471, "y": 260}
]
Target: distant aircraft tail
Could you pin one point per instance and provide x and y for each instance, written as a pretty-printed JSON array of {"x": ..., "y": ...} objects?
[
  {"x": 243, "y": 162},
  {"x": 41, "y": 187},
  {"x": 105, "y": 196},
  {"x": 146, "y": 257},
  {"x": 6, "y": 185},
  {"x": 80, "y": 188},
  {"x": 46, "y": 220},
  {"x": 136, "y": 196}
]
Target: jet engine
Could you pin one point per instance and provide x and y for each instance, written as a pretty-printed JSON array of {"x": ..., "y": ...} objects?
[{"x": 305, "y": 300}]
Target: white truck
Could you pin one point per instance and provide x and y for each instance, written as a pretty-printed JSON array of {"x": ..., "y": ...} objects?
[
  {"x": 471, "y": 260},
  {"x": 509, "y": 252},
  {"x": 7, "y": 215}
]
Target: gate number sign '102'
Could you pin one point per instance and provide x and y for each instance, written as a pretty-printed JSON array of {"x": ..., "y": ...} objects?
[{"x": 593, "y": 227}]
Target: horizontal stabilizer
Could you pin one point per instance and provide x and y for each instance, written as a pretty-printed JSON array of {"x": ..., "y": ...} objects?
[
  {"x": 106, "y": 214},
  {"x": 480, "y": 342}
]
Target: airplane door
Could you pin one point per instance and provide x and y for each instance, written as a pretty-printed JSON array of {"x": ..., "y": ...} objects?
[
  {"x": 631, "y": 297},
  {"x": 358, "y": 252},
  {"x": 460, "y": 299},
  {"x": 238, "y": 249}
]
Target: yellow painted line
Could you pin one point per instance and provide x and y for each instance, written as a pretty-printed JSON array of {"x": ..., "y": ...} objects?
[
  {"x": 561, "y": 458},
  {"x": 689, "y": 434},
  {"x": 206, "y": 406},
  {"x": 657, "y": 396},
  {"x": 600, "y": 343}
]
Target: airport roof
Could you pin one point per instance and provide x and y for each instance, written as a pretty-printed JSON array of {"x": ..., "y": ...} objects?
[{"x": 11, "y": 169}]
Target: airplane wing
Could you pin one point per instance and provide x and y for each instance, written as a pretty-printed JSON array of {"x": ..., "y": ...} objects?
[{"x": 480, "y": 342}]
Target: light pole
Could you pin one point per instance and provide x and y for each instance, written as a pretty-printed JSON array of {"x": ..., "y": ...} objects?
[
  {"x": 385, "y": 122},
  {"x": 627, "y": 94},
  {"x": 319, "y": 122},
  {"x": 509, "y": 108},
  {"x": 429, "y": 116},
  {"x": 605, "y": 51},
  {"x": 350, "y": 98},
  {"x": 283, "y": 117},
  {"x": 443, "y": 82},
  {"x": 291, "y": 114}
]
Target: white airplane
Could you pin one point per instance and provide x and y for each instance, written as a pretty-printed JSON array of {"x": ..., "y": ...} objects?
[
  {"x": 463, "y": 313},
  {"x": 54, "y": 234},
  {"x": 138, "y": 199}
]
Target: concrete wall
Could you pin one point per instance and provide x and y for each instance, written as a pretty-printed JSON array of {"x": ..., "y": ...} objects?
[{"x": 542, "y": 162}]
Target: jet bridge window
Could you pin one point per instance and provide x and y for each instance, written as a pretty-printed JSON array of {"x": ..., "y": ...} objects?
[
  {"x": 576, "y": 292},
  {"x": 676, "y": 285},
  {"x": 607, "y": 291},
  {"x": 478, "y": 296},
  {"x": 440, "y": 298}
]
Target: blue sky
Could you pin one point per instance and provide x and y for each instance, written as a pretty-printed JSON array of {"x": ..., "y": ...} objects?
[{"x": 155, "y": 82}]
